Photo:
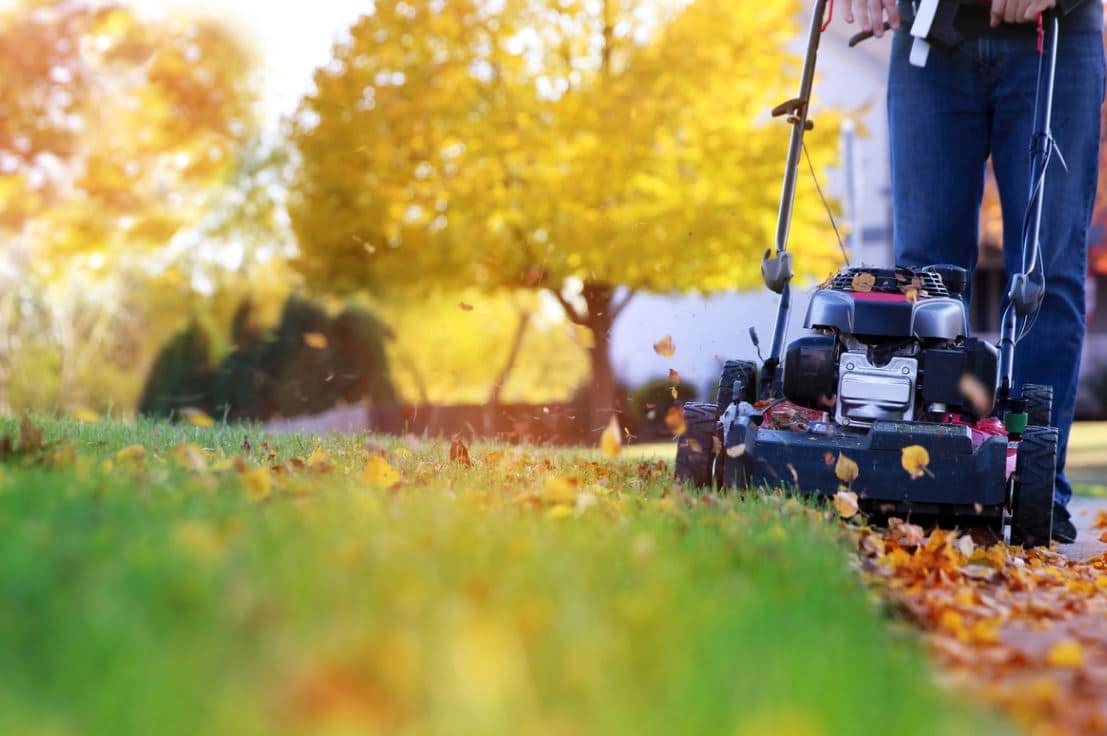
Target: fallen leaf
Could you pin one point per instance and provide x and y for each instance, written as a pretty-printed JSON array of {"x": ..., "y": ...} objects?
[
  {"x": 674, "y": 377},
  {"x": 459, "y": 453},
  {"x": 86, "y": 416},
  {"x": 966, "y": 546},
  {"x": 197, "y": 417},
  {"x": 863, "y": 282},
  {"x": 257, "y": 483},
  {"x": 318, "y": 457},
  {"x": 846, "y": 469},
  {"x": 915, "y": 460},
  {"x": 130, "y": 454},
  {"x": 379, "y": 474},
  {"x": 189, "y": 457},
  {"x": 1100, "y": 519},
  {"x": 559, "y": 490},
  {"x": 845, "y": 503},
  {"x": 665, "y": 347},
  {"x": 611, "y": 441},
  {"x": 560, "y": 511},
  {"x": 674, "y": 420},
  {"x": 315, "y": 340}
]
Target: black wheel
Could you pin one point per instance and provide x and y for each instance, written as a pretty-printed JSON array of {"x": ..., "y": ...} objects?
[
  {"x": 695, "y": 459},
  {"x": 743, "y": 371},
  {"x": 1039, "y": 404},
  {"x": 1035, "y": 474}
]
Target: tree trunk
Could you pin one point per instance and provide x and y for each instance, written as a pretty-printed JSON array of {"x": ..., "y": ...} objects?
[{"x": 492, "y": 406}]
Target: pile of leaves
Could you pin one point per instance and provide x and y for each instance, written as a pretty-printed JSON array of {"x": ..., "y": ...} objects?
[{"x": 1025, "y": 630}]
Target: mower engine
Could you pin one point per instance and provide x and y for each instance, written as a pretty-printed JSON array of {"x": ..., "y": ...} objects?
[{"x": 891, "y": 345}]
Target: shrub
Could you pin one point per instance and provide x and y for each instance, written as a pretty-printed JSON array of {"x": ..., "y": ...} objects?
[{"x": 182, "y": 374}]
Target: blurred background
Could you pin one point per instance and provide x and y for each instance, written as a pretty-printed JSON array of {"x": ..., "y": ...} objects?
[{"x": 474, "y": 216}]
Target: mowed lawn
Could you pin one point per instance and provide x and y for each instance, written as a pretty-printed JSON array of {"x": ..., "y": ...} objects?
[{"x": 220, "y": 581}]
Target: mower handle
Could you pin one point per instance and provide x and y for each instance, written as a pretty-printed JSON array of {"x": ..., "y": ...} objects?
[{"x": 866, "y": 35}]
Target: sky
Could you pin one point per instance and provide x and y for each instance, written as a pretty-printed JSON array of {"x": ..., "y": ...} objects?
[{"x": 291, "y": 38}]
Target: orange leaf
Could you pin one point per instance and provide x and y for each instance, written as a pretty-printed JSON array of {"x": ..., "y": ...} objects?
[
  {"x": 674, "y": 420},
  {"x": 611, "y": 441},
  {"x": 465, "y": 307},
  {"x": 845, "y": 503},
  {"x": 674, "y": 377},
  {"x": 315, "y": 340},
  {"x": 665, "y": 347}
]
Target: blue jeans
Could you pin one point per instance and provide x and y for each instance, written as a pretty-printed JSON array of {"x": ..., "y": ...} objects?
[{"x": 946, "y": 119}]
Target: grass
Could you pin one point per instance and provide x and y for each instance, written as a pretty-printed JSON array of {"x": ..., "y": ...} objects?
[{"x": 139, "y": 597}]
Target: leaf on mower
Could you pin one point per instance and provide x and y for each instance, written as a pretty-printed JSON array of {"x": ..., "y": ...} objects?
[
  {"x": 665, "y": 347},
  {"x": 845, "y": 503},
  {"x": 863, "y": 282},
  {"x": 915, "y": 460},
  {"x": 846, "y": 469},
  {"x": 611, "y": 441}
]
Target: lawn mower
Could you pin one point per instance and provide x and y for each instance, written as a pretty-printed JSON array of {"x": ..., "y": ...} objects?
[{"x": 889, "y": 366}]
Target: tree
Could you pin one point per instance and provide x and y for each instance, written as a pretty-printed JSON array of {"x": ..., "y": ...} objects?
[
  {"x": 593, "y": 149},
  {"x": 116, "y": 133}
]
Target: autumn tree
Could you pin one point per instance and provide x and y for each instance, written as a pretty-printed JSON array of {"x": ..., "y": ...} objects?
[
  {"x": 592, "y": 149},
  {"x": 116, "y": 133}
]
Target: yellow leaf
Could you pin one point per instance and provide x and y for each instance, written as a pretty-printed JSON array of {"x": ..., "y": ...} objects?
[
  {"x": 561, "y": 490},
  {"x": 318, "y": 455},
  {"x": 560, "y": 511},
  {"x": 197, "y": 417},
  {"x": 665, "y": 347},
  {"x": 846, "y": 469},
  {"x": 257, "y": 483},
  {"x": 130, "y": 454},
  {"x": 86, "y": 415},
  {"x": 845, "y": 503},
  {"x": 1066, "y": 653},
  {"x": 673, "y": 391},
  {"x": 315, "y": 340},
  {"x": 611, "y": 441},
  {"x": 379, "y": 474},
  {"x": 189, "y": 456},
  {"x": 915, "y": 460},
  {"x": 674, "y": 420}
]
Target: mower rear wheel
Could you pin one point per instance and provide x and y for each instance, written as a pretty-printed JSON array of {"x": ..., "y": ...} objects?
[
  {"x": 1039, "y": 404},
  {"x": 695, "y": 459},
  {"x": 743, "y": 371},
  {"x": 1035, "y": 473}
]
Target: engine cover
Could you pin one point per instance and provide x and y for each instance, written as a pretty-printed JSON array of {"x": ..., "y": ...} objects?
[{"x": 868, "y": 393}]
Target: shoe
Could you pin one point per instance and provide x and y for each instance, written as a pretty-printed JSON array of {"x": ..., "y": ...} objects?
[{"x": 1064, "y": 531}]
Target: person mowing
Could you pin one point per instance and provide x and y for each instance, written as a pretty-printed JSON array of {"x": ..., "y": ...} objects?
[{"x": 959, "y": 108}]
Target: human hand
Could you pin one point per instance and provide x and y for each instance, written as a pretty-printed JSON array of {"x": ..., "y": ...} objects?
[
  {"x": 871, "y": 13},
  {"x": 1018, "y": 11}
]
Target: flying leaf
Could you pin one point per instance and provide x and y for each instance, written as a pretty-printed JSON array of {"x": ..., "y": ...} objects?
[
  {"x": 674, "y": 420},
  {"x": 1066, "y": 653},
  {"x": 465, "y": 307},
  {"x": 846, "y": 469},
  {"x": 845, "y": 503},
  {"x": 673, "y": 391},
  {"x": 674, "y": 377},
  {"x": 197, "y": 417},
  {"x": 315, "y": 340},
  {"x": 665, "y": 347},
  {"x": 979, "y": 396},
  {"x": 611, "y": 441},
  {"x": 736, "y": 450},
  {"x": 915, "y": 460},
  {"x": 379, "y": 474},
  {"x": 1100, "y": 519}
]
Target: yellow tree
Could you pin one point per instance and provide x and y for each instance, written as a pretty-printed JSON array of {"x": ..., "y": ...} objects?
[
  {"x": 115, "y": 134},
  {"x": 593, "y": 149}
]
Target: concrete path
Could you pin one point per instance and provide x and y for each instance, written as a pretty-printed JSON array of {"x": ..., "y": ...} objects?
[{"x": 1084, "y": 511}]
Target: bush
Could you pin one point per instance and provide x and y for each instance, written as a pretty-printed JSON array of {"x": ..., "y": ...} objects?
[
  {"x": 648, "y": 404},
  {"x": 182, "y": 374}
]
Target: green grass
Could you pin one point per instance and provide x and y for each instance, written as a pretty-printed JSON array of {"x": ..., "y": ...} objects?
[{"x": 142, "y": 598}]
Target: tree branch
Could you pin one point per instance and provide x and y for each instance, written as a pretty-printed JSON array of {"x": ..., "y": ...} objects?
[
  {"x": 570, "y": 310},
  {"x": 618, "y": 307}
]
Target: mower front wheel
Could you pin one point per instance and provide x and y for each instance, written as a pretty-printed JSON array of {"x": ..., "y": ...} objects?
[
  {"x": 695, "y": 459},
  {"x": 1035, "y": 474}
]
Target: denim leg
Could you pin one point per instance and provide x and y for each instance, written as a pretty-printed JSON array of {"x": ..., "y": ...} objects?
[
  {"x": 1050, "y": 352},
  {"x": 939, "y": 123}
]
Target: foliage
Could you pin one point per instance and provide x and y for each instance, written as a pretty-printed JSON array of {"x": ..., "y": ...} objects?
[
  {"x": 182, "y": 374},
  {"x": 118, "y": 133},
  {"x": 575, "y": 146},
  {"x": 285, "y": 585}
]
